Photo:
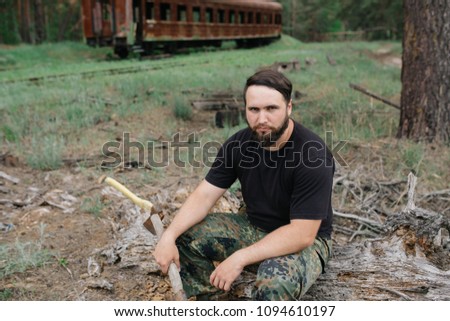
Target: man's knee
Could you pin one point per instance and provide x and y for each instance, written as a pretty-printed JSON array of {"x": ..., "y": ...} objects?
[
  {"x": 196, "y": 234},
  {"x": 276, "y": 281}
]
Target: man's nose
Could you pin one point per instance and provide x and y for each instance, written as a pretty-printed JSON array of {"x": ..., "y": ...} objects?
[{"x": 262, "y": 117}]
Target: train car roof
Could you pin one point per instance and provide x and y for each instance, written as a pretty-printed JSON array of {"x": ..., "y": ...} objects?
[{"x": 269, "y": 4}]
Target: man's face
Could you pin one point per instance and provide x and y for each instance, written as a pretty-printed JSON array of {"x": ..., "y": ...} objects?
[{"x": 267, "y": 114}]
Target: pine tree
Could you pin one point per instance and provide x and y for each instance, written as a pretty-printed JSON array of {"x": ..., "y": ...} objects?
[{"x": 425, "y": 101}]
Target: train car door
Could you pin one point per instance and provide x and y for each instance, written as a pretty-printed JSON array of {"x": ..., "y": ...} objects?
[
  {"x": 97, "y": 25},
  {"x": 102, "y": 14},
  {"x": 137, "y": 21}
]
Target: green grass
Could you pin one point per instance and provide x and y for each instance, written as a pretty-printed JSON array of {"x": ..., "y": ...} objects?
[
  {"x": 23, "y": 256},
  {"x": 412, "y": 156},
  {"x": 5, "y": 294},
  {"x": 51, "y": 59},
  {"x": 58, "y": 115},
  {"x": 182, "y": 108},
  {"x": 46, "y": 153},
  {"x": 93, "y": 205}
]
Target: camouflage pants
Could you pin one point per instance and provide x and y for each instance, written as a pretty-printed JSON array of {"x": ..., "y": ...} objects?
[{"x": 220, "y": 235}]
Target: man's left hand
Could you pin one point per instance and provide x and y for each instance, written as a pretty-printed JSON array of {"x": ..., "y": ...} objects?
[{"x": 227, "y": 271}]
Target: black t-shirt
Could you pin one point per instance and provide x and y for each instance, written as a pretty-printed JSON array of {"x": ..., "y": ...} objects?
[{"x": 294, "y": 182}]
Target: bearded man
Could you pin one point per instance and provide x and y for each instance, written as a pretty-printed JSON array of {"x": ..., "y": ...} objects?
[{"x": 286, "y": 177}]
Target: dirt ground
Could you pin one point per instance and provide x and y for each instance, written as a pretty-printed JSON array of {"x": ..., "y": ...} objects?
[{"x": 97, "y": 246}]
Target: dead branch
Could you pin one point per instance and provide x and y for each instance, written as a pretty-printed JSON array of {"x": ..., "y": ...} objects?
[
  {"x": 400, "y": 294},
  {"x": 366, "y": 221},
  {"x": 16, "y": 203},
  {"x": 442, "y": 193},
  {"x": 369, "y": 93},
  {"x": 12, "y": 179},
  {"x": 412, "y": 181}
]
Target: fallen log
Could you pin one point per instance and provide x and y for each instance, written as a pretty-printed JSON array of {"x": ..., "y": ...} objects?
[
  {"x": 216, "y": 104},
  {"x": 229, "y": 118},
  {"x": 331, "y": 60},
  {"x": 286, "y": 66},
  {"x": 410, "y": 261}
]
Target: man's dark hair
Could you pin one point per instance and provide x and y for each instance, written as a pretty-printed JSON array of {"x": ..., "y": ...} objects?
[{"x": 272, "y": 79}]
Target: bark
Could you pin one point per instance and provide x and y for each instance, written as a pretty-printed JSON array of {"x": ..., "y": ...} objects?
[
  {"x": 425, "y": 100},
  {"x": 39, "y": 21},
  {"x": 24, "y": 20},
  {"x": 293, "y": 17}
]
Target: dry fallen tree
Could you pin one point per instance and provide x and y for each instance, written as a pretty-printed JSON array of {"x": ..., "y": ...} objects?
[
  {"x": 408, "y": 260},
  {"x": 381, "y": 252}
]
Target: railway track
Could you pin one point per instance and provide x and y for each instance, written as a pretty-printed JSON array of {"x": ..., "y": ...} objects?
[{"x": 90, "y": 74}]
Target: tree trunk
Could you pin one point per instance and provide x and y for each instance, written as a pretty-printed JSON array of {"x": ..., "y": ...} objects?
[
  {"x": 39, "y": 21},
  {"x": 293, "y": 17},
  {"x": 24, "y": 21},
  {"x": 425, "y": 100}
]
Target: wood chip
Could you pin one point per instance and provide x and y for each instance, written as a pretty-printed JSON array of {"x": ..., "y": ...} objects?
[{"x": 9, "y": 178}]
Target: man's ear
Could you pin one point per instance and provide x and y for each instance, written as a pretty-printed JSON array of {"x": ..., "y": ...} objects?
[{"x": 289, "y": 107}]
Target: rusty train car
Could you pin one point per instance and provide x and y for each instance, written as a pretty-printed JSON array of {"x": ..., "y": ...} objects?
[{"x": 145, "y": 25}]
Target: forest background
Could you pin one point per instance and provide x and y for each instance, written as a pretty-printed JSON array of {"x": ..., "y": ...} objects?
[{"x": 38, "y": 21}]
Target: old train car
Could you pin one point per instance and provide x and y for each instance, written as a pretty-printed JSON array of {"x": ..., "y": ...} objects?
[{"x": 144, "y": 25}]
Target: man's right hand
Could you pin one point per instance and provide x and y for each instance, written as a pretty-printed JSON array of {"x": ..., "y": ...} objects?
[
  {"x": 166, "y": 252},
  {"x": 193, "y": 211}
]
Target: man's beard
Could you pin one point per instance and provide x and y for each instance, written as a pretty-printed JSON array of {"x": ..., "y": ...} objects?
[{"x": 269, "y": 139}]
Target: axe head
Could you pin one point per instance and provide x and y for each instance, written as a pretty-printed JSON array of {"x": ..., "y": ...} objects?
[{"x": 148, "y": 224}]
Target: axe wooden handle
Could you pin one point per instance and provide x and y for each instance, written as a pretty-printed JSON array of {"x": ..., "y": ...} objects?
[
  {"x": 174, "y": 275},
  {"x": 144, "y": 204}
]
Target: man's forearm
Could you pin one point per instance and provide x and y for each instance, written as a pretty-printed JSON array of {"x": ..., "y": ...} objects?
[
  {"x": 288, "y": 239},
  {"x": 194, "y": 210},
  {"x": 189, "y": 215}
]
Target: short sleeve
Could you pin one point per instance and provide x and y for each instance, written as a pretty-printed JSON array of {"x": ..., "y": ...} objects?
[
  {"x": 311, "y": 196},
  {"x": 222, "y": 173}
]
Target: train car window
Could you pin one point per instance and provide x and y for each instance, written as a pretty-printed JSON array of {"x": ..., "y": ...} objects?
[
  {"x": 149, "y": 10},
  {"x": 258, "y": 18},
  {"x": 250, "y": 18},
  {"x": 241, "y": 17},
  {"x": 232, "y": 17},
  {"x": 196, "y": 14},
  {"x": 270, "y": 19},
  {"x": 265, "y": 19},
  {"x": 105, "y": 9},
  {"x": 221, "y": 13},
  {"x": 181, "y": 13},
  {"x": 164, "y": 11},
  {"x": 209, "y": 15},
  {"x": 278, "y": 19}
]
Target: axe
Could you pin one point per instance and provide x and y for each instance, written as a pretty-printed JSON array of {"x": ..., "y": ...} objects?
[{"x": 155, "y": 226}]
